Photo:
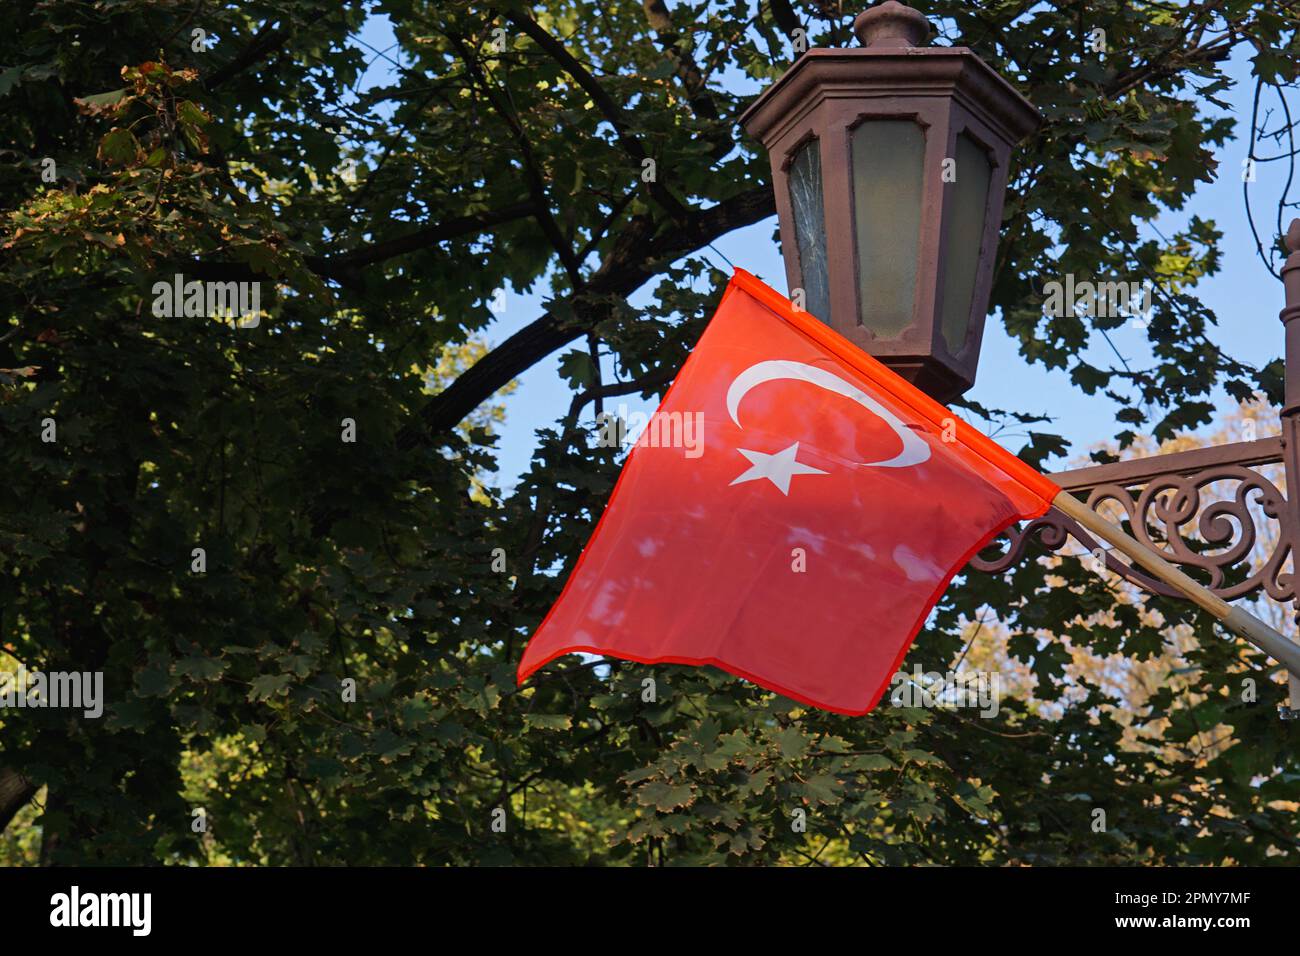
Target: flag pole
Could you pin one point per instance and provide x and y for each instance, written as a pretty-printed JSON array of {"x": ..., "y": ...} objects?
[{"x": 1235, "y": 619}]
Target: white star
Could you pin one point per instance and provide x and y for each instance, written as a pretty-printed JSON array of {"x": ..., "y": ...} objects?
[{"x": 778, "y": 468}]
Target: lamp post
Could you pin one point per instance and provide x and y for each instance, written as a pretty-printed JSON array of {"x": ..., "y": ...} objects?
[{"x": 889, "y": 165}]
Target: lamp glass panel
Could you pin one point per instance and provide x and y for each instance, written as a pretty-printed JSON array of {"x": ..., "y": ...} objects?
[
  {"x": 805, "y": 178},
  {"x": 887, "y": 167},
  {"x": 966, "y": 213}
]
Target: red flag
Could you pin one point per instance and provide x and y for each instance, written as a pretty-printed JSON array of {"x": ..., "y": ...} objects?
[{"x": 791, "y": 514}]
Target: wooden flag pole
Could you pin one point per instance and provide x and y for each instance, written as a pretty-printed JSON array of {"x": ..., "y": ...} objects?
[{"x": 1234, "y": 618}]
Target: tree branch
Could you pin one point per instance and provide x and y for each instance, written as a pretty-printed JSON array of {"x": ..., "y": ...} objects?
[
  {"x": 622, "y": 274},
  {"x": 536, "y": 187},
  {"x": 264, "y": 42},
  {"x": 608, "y": 108},
  {"x": 346, "y": 264},
  {"x": 784, "y": 16},
  {"x": 332, "y": 266},
  {"x": 15, "y": 791},
  {"x": 677, "y": 49}
]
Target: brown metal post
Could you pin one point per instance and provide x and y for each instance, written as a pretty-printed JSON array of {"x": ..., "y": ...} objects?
[{"x": 1290, "y": 316}]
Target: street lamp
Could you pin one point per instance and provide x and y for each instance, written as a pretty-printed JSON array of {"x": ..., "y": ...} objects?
[{"x": 889, "y": 164}]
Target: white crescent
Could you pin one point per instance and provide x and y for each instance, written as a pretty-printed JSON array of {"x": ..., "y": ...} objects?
[{"x": 915, "y": 449}]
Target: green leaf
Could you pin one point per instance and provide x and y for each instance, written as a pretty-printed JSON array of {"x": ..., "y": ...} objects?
[
  {"x": 663, "y": 796},
  {"x": 154, "y": 681},
  {"x": 792, "y": 742},
  {"x": 201, "y": 668},
  {"x": 100, "y": 102},
  {"x": 9, "y": 79},
  {"x": 192, "y": 114},
  {"x": 266, "y": 686},
  {"x": 578, "y": 368},
  {"x": 822, "y": 788},
  {"x": 119, "y": 147},
  {"x": 548, "y": 721}
]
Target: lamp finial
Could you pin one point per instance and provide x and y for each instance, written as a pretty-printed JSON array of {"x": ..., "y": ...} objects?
[{"x": 891, "y": 24}]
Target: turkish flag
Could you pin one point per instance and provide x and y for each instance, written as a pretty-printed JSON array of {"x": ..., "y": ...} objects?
[{"x": 790, "y": 514}]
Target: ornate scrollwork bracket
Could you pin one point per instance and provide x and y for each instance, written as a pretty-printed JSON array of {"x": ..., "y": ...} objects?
[{"x": 1162, "y": 499}]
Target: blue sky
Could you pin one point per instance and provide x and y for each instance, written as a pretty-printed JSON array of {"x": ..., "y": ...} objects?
[{"x": 1244, "y": 295}]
